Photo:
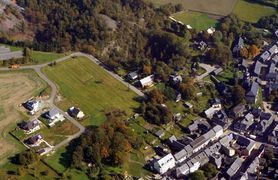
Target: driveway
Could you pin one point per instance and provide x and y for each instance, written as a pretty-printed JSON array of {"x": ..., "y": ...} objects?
[{"x": 208, "y": 69}]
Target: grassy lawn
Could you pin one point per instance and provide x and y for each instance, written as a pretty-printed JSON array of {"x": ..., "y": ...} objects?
[
  {"x": 39, "y": 57},
  {"x": 54, "y": 160},
  {"x": 84, "y": 84},
  {"x": 199, "y": 21},
  {"x": 252, "y": 12},
  {"x": 35, "y": 171}
]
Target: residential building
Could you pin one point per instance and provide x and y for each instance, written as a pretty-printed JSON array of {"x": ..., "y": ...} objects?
[
  {"x": 182, "y": 170},
  {"x": 132, "y": 76},
  {"x": 273, "y": 136},
  {"x": 76, "y": 113},
  {"x": 32, "y": 105},
  {"x": 232, "y": 170},
  {"x": 238, "y": 44},
  {"x": 147, "y": 81},
  {"x": 160, "y": 133},
  {"x": 30, "y": 126},
  {"x": 34, "y": 140},
  {"x": 266, "y": 120},
  {"x": 164, "y": 164},
  {"x": 175, "y": 79},
  {"x": 54, "y": 116},
  {"x": 252, "y": 95},
  {"x": 237, "y": 111}
]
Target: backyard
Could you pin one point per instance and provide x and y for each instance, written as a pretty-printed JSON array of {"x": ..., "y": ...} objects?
[
  {"x": 94, "y": 91},
  {"x": 197, "y": 20}
]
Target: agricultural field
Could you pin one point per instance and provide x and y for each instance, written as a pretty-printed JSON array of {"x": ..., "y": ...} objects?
[
  {"x": 214, "y": 7},
  {"x": 15, "y": 88},
  {"x": 84, "y": 84},
  {"x": 252, "y": 12},
  {"x": 199, "y": 21},
  {"x": 39, "y": 57}
]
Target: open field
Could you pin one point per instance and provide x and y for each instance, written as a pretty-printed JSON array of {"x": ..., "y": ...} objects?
[
  {"x": 252, "y": 12},
  {"x": 39, "y": 57},
  {"x": 15, "y": 88},
  {"x": 215, "y": 7},
  {"x": 86, "y": 85},
  {"x": 199, "y": 21}
]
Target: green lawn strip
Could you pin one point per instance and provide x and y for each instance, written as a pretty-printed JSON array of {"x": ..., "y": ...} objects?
[
  {"x": 199, "y": 21},
  {"x": 87, "y": 86},
  {"x": 39, "y": 57},
  {"x": 252, "y": 12},
  {"x": 55, "y": 160}
]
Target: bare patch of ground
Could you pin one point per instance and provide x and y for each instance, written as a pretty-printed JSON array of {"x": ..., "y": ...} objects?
[
  {"x": 111, "y": 23},
  {"x": 15, "y": 88}
]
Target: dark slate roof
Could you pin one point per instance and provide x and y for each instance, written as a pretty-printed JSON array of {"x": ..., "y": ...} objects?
[
  {"x": 74, "y": 111},
  {"x": 34, "y": 139},
  {"x": 254, "y": 89},
  {"x": 30, "y": 125}
]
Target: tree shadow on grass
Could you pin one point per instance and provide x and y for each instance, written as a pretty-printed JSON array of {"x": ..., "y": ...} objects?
[{"x": 66, "y": 157}]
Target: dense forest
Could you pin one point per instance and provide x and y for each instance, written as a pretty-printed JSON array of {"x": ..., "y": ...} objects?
[{"x": 128, "y": 34}]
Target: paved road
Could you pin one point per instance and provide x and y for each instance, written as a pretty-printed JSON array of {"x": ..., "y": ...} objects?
[
  {"x": 54, "y": 89},
  {"x": 90, "y": 57},
  {"x": 208, "y": 69}
]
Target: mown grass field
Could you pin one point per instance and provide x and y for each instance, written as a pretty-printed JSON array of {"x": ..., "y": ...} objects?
[
  {"x": 39, "y": 57},
  {"x": 84, "y": 84},
  {"x": 252, "y": 12},
  {"x": 222, "y": 8},
  {"x": 199, "y": 21}
]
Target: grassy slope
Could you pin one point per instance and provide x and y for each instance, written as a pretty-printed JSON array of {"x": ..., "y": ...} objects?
[
  {"x": 86, "y": 85},
  {"x": 199, "y": 21},
  {"x": 252, "y": 12}
]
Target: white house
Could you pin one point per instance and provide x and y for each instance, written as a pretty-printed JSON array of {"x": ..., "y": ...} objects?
[
  {"x": 54, "y": 116},
  {"x": 33, "y": 106},
  {"x": 193, "y": 165},
  {"x": 147, "y": 81},
  {"x": 218, "y": 131},
  {"x": 76, "y": 113},
  {"x": 164, "y": 164}
]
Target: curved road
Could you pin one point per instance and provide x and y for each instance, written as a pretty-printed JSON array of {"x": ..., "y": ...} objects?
[{"x": 54, "y": 89}]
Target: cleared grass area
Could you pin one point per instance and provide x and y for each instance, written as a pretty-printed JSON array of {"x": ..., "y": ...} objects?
[
  {"x": 223, "y": 7},
  {"x": 39, "y": 57},
  {"x": 86, "y": 85},
  {"x": 199, "y": 21},
  {"x": 252, "y": 12}
]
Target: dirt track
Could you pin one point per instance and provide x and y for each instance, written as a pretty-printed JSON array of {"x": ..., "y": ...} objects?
[{"x": 14, "y": 89}]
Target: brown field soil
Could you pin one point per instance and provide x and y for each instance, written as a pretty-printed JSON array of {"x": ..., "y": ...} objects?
[
  {"x": 15, "y": 88},
  {"x": 216, "y": 7}
]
